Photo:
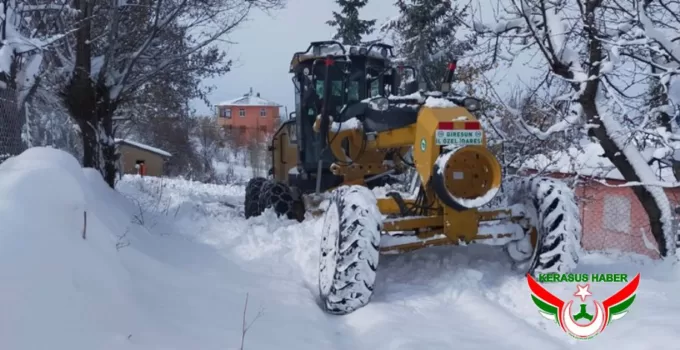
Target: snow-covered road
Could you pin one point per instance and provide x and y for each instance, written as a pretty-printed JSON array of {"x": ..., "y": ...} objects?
[{"x": 185, "y": 262}]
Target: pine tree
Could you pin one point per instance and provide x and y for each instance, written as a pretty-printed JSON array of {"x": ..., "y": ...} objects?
[
  {"x": 425, "y": 36},
  {"x": 350, "y": 27}
]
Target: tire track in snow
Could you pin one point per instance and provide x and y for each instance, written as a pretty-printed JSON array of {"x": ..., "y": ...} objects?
[{"x": 434, "y": 289}]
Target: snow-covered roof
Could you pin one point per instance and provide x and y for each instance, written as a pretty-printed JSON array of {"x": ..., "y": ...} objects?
[
  {"x": 144, "y": 147},
  {"x": 588, "y": 161},
  {"x": 249, "y": 99}
]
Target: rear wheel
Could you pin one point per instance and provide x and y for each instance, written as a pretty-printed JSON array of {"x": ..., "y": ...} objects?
[
  {"x": 350, "y": 247},
  {"x": 555, "y": 244},
  {"x": 251, "y": 203},
  {"x": 283, "y": 199}
]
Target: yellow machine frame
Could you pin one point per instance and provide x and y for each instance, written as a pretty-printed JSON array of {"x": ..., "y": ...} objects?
[{"x": 438, "y": 228}]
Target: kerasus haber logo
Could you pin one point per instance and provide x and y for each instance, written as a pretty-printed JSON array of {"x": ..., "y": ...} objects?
[{"x": 583, "y": 325}]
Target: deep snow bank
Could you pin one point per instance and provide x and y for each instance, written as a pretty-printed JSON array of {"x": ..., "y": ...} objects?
[
  {"x": 165, "y": 288},
  {"x": 125, "y": 286},
  {"x": 58, "y": 288}
]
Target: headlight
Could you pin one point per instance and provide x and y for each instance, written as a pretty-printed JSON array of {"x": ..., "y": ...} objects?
[
  {"x": 353, "y": 50},
  {"x": 363, "y": 51},
  {"x": 471, "y": 104}
]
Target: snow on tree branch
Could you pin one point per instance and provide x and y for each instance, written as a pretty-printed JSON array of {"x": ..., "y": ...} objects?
[
  {"x": 605, "y": 53},
  {"x": 23, "y": 45}
]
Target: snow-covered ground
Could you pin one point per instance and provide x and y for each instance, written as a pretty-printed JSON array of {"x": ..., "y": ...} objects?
[
  {"x": 233, "y": 172},
  {"x": 165, "y": 264}
]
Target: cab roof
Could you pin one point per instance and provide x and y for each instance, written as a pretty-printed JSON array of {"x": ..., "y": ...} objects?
[{"x": 322, "y": 49}]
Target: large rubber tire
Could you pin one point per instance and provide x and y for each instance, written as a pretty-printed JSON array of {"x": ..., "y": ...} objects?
[
  {"x": 252, "y": 201},
  {"x": 554, "y": 213},
  {"x": 350, "y": 249},
  {"x": 283, "y": 199}
]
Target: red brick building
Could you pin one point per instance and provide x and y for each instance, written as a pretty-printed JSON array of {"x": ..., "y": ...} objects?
[
  {"x": 249, "y": 117},
  {"x": 612, "y": 216}
]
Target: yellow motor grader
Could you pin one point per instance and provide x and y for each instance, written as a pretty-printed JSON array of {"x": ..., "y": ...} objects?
[{"x": 357, "y": 117}]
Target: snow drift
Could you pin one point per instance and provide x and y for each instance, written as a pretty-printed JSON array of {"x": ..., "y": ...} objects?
[
  {"x": 59, "y": 288},
  {"x": 166, "y": 265}
]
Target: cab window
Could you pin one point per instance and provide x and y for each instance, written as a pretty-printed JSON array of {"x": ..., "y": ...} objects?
[
  {"x": 336, "y": 88},
  {"x": 353, "y": 91},
  {"x": 375, "y": 88}
]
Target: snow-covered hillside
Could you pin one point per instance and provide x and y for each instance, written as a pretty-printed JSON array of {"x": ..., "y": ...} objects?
[{"x": 165, "y": 264}]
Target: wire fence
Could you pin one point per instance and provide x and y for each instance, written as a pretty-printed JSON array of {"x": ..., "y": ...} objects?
[
  {"x": 11, "y": 125},
  {"x": 614, "y": 219}
]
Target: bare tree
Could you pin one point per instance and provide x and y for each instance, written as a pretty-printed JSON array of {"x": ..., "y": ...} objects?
[
  {"x": 173, "y": 134},
  {"x": 256, "y": 156},
  {"x": 581, "y": 41},
  {"x": 121, "y": 48},
  {"x": 209, "y": 139},
  {"x": 28, "y": 32},
  {"x": 245, "y": 326},
  {"x": 514, "y": 126}
]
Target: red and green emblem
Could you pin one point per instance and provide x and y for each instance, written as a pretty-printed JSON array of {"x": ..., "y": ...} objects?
[{"x": 556, "y": 309}]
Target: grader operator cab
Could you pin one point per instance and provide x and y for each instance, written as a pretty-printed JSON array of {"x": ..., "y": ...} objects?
[
  {"x": 327, "y": 77},
  {"x": 345, "y": 137}
]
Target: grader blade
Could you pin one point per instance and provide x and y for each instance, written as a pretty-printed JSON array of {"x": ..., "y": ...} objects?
[{"x": 496, "y": 228}]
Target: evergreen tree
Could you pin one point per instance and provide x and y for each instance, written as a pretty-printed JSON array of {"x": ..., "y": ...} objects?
[
  {"x": 425, "y": 36},
  {"x": 350, "y": 27}
]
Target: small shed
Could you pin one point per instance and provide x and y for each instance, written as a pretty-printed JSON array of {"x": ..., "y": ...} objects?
[{"x": 133, "y": 154}]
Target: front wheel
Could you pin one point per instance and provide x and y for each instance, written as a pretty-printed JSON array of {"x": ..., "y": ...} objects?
[
  {"x": 554, "y": 245},
  {"x": 350, "y": 246}
]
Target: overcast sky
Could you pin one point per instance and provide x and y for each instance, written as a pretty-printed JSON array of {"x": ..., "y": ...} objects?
[{"x": 265, "y": 45}]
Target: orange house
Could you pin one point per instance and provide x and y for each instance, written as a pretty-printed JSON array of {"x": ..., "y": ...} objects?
[{"x": 249, "y": 117}]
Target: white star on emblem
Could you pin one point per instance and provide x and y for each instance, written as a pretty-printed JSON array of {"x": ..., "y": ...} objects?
[{"x": 583, "y": 292}]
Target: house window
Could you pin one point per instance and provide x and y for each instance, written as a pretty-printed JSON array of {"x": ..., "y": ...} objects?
[
  {"x": 616, "y": 213},
  {"x": 241, "y": 112},
  {"x": 263, "y": 112},
  {"x": 226, "y": 113}
]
